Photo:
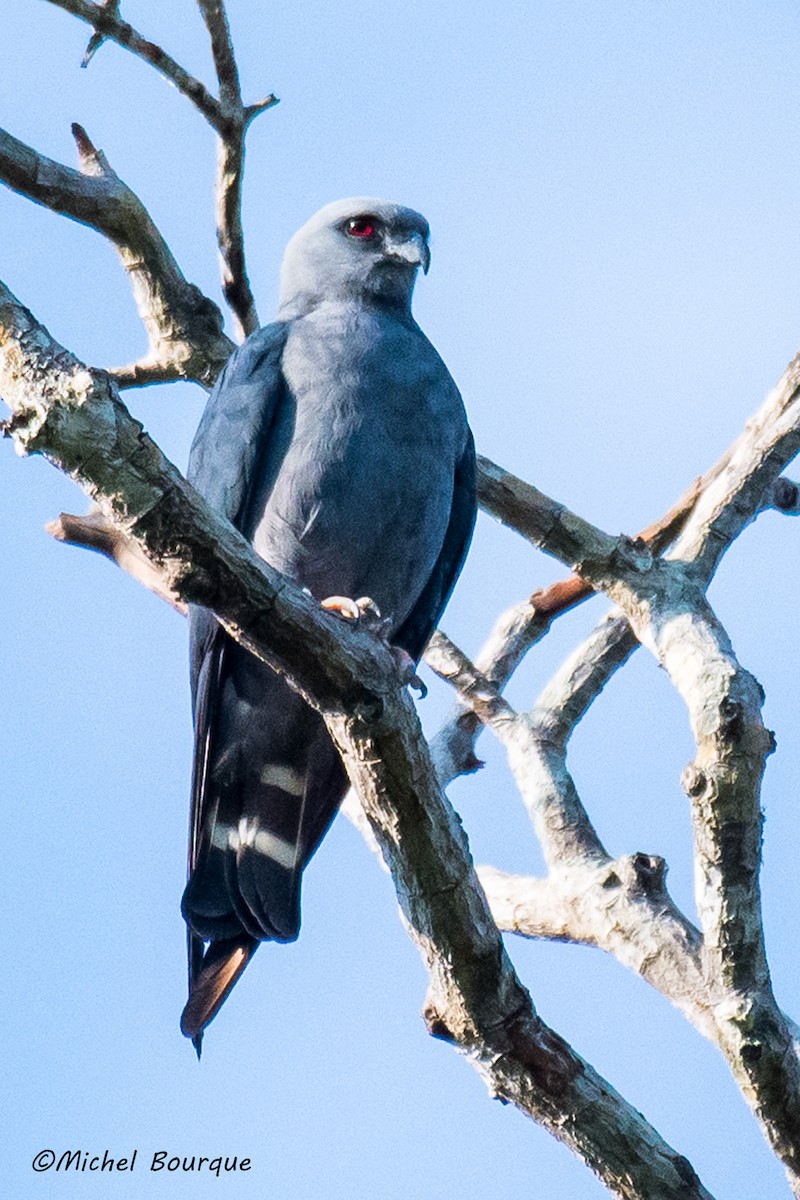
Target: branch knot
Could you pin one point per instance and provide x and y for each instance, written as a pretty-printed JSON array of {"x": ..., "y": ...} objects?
[{"x": 693, "y": 780}]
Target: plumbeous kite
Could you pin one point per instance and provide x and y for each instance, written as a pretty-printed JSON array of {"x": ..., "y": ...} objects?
[{"x": 337, "y": 442}]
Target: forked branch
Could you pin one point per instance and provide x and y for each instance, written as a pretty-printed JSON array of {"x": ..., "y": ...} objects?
[
  {"x": 184, "y": 327},
  {"x": 727, "y": 991},
  {"x": 228, "y": 116}
]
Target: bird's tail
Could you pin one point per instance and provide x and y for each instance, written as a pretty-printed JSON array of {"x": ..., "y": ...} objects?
[{"x": 211, "y": 977}]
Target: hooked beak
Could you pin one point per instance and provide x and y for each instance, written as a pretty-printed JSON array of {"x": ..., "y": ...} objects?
[{"x": 413, "y": 249}]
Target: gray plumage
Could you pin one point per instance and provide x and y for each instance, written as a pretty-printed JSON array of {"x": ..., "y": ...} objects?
[{"x": 336, "y": 440}]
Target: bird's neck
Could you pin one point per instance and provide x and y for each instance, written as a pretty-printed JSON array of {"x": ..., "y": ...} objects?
[{"x": 303, "y": 304}]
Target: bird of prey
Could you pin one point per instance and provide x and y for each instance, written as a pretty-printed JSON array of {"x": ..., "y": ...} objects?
[{"x": 336, "y": 441}]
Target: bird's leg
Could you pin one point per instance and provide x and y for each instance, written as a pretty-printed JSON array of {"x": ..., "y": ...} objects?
[{"x": 366, "y": 612}]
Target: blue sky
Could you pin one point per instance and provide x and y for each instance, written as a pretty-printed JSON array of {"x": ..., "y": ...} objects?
[{"x": 613, "y": 193}]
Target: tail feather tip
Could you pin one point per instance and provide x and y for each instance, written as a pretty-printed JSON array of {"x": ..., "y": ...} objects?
[{"x": 222, "y": 965}]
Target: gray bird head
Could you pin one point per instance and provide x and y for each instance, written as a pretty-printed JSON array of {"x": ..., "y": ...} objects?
[{"x": 363, "y": 248}]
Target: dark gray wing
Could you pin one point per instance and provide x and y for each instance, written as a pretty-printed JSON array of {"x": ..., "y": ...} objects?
[
  {"x": 223, "y": 463},
  {"x": 236, "y": 422},
  {"x": 227, "y": 447},
  {"x": 415, "y": 632}
]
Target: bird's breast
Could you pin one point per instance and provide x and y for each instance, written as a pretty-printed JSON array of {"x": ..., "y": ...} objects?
[{"x": 368, "y": 436}]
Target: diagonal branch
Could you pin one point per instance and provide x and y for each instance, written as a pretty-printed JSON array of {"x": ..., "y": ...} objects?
[
  {"x": 565, "y": 832},
  {"x": 766, "y": 446},
  {"x": 621, "y": 907},
  {"x": 545, "y": 522},
  {"x": 76, "y": 419},
  {"x": 668, "y": 612},
  {"x": 95, "y": 532},
  {"x": 216, "y": 22},
  {"x": 475, "y": 999}
]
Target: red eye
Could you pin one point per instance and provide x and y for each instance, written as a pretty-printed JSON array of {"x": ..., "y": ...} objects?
[{"x": 361, "y": 227}]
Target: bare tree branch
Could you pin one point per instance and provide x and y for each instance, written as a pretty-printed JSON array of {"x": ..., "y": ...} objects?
[
  {"x": 184, "y": 327},
  {"x": 227, "y": 115},
  {"x": 724, "y": 706},
  {"x": 97, "y": 39},
  {"x": 74, "y": 417},
  {"x": 767, "y": 445},
  {"x": 520, "y": 628},
  {"x": 475, "y": 999},
  {"x": 216, "y": 21},
  {"x": 566, "y": 593},
  {"x": 620, "y": 906},
  {"x": 664, "y": 603},
  {"x": 562, "y": 824},
  {"x": 623, "y": 907},
  {"x": 724, "y": 703},
  {"x": 107, "y": 24},
  {"x": 230, "y": 167},
  {"x": 95, "y": 532},
  {"x": 669, "y": 614},
  {"x": 543, "y": 521}
]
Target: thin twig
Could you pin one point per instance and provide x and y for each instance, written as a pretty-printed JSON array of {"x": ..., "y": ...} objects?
[
  {"x": 97, "y": 39},
  {"x": 227, "y": 115},
  {"x": 216, "y": 22},
  {"x": 565, "y": 831},
  {"x": 230, "y": 234},
  {"x": 766, "y": 446},
  {"x": 230, "y": 167},
  {"x": 107, "y": 24}
]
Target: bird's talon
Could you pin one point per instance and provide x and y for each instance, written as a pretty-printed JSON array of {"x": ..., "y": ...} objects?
[
  {"x": 342, "y": 606},
  {"x": 367, "y": 607},
  {"x": 408, "y": 671},
  {"x": 364, "y": 610},
  {"x": 372, "y": 619},
  {"x": 418, "y": 685}
]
